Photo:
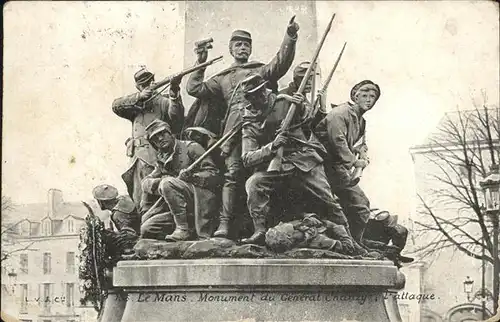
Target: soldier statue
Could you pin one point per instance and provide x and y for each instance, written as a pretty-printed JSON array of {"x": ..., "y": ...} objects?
[
  {"x": 225, "y": 89},
  {"x": 190, "y": 195},
  {"x": 302, "y": 165},
  {"x": 125, "y": 221},
  {"x": 141, "y": 109},
  {"x": 342, "y": 132}
]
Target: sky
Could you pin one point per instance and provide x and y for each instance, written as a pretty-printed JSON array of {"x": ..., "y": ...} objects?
[{"x": 63, "y": 69}]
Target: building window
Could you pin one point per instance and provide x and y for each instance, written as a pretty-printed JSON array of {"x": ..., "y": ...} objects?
[
  {"x": 25, "y": 228},
  {"x": 70, "y": 262},
  {"x": 46, "y": 263},
  {"x": 70, "y": 291},
  {"x": 46, "y": 295},
  {"x": 47, "y": 227},
  {"x": 24, "y": 298},
  {"x": 70, "y": 226},
  {"x": 23, "y": 263}
]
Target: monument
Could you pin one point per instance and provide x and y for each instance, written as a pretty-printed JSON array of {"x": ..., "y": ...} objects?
[{"x": 305, "y": 258}]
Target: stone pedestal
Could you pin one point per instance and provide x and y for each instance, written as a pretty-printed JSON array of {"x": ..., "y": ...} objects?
[{"x": 255, "y": 290}]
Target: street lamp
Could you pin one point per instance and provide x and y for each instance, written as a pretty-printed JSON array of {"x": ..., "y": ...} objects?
[
  {"x": 491, "y": 187},
  {"x": 12, "y": 280},
  {"x": 468, "y": 288}
]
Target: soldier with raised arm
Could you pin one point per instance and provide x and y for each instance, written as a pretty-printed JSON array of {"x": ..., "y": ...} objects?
[
  {"x": 141, "y": 109},
  {"x": 340, "y": 132},
  {"x": 225, "y": 87}
]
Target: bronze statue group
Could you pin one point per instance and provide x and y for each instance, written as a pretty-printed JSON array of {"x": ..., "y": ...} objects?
[{"x": 250, "y": 162}]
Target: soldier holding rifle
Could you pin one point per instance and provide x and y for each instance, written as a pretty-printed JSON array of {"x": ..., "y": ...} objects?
[
  {"x": 301, "y": 166},
  {"x": 339, "y": 132},
  {"x": 190, "y": 195},
  {"x": 141, "y": 109},
  {"x": 225, "y": 87}
]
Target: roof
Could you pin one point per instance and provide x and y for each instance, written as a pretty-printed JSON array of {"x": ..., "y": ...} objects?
[
  {"x": 470, "y": 120},
  {"x": 35, "y": 212}
]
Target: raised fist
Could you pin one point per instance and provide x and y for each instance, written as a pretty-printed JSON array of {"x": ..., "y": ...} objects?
[
  {"x": 292, "y": 28},
  {"x": 202, "y": 54},
  {"x": 174, "y": 84}
]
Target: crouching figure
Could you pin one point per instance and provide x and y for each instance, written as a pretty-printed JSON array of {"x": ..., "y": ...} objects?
[{"x": 190, "y": 195}]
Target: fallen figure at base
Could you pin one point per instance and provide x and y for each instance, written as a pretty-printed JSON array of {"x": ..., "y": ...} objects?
[{"x": 312, "y": 232}]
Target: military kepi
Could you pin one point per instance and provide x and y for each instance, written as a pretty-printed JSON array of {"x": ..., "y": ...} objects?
[
  {"x": 241, "y": 35},
  {"x": 252, "y": 84},
  {"x": 143, "y": 76},
  {"x": 105, "y": 192},
  {"x": 157, "y": 126}
]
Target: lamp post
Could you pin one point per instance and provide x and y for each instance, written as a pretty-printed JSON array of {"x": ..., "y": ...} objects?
[
  {"x": 12, "y": 280},
  {"x": 468, "y": 288},
  {"x": 491, "y": 187}
]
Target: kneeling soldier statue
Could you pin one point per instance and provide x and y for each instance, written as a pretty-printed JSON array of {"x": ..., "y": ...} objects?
[
  {"x": 302, "y": 164},
  {"x": 190, "y": 195}
]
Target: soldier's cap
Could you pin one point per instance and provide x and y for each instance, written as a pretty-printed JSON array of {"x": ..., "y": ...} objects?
[
  {"x": 241, "y": 35},
  {"x": 155, "y": 127},
  {"x": 301, "y": 69},
  {"x": 143, "y": 76},
  {"x": 105, "y": 192},
  {"x": 252, "y": 84},
  {"x": 365, "y": 85}
]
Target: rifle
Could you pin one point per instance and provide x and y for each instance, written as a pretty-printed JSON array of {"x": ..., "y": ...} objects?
[
  {"x": 275, "y": 164},
  {"x": 317, "y": 102},
  {"x": 167, "y": 80},
  {"x": 226, "y": 137}
]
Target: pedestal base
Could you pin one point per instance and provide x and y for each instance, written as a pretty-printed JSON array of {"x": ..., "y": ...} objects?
[{"x": 256, "y": 290}]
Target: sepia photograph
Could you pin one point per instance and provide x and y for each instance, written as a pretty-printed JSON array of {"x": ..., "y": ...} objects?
[{"x": 250, "y": 161}]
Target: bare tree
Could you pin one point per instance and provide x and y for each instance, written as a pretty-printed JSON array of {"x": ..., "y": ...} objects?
[
  {"x": 10, "y": 245},
  {"x": 463, "y": 149}
]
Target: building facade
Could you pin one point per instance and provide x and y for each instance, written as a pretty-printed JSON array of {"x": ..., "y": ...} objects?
[{"x": 40, "y": 274}]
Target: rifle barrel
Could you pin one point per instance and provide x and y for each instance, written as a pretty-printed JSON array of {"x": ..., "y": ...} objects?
[{"x": 185, "y": 72}]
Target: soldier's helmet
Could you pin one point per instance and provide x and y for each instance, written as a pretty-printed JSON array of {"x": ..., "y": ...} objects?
[
  {"x": 143, "y": 76},
  {"x": 252, "y": 84},
  {"x": 105, "y": 192},
  {"x": 241, "y": 35},
  {"x": 155, "y": 127}
]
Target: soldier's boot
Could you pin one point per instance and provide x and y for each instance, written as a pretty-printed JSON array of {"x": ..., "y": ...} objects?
[
  {"x": 259, "y": 235},
  {"x": 182, "y": 231},
  {"x": 223, "y": 230}
]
